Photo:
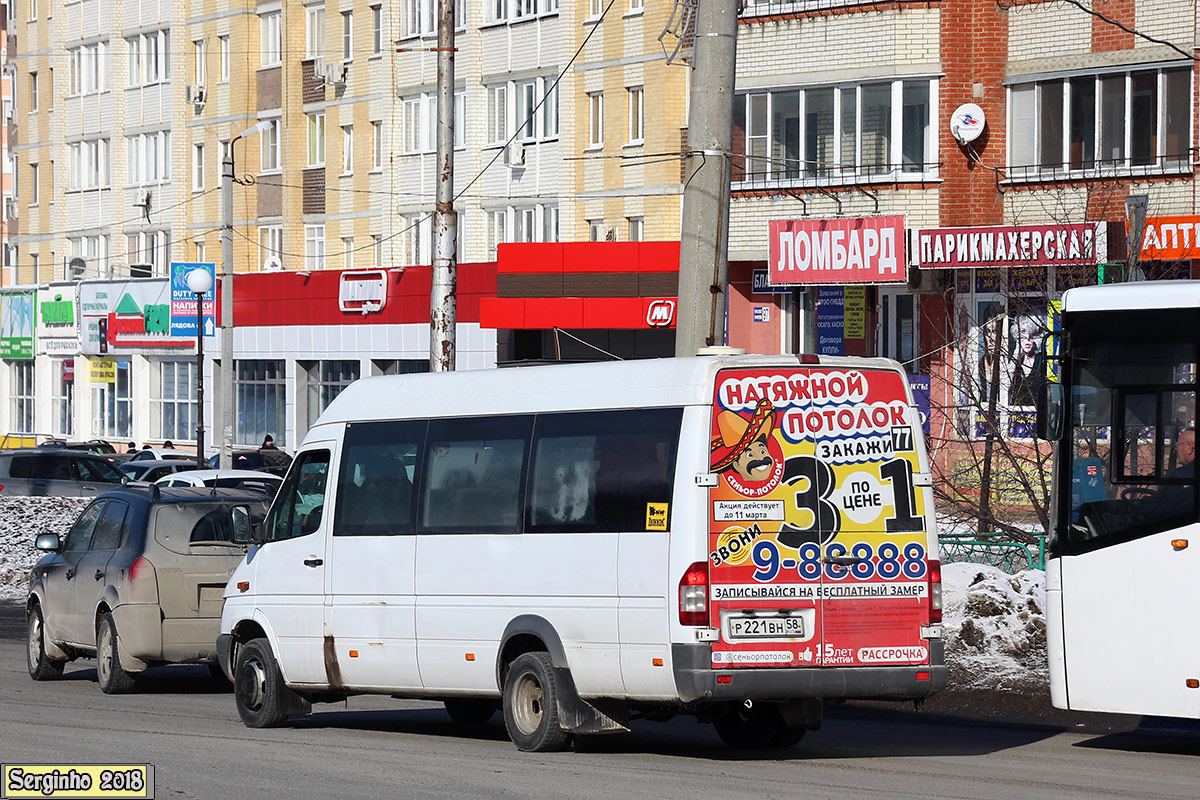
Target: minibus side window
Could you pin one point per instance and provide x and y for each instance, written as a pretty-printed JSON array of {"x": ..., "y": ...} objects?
[
  {"x": 301, "y": 501},
  {"x": 375, "y": 495},
  {"x": 473, "y": 474},
  {"x": 603, "y": 471}
]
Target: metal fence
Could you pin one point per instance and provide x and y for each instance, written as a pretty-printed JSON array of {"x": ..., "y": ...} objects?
[{"x": 995, "y": 549}]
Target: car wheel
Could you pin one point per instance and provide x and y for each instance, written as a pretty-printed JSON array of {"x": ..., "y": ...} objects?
[
  {"x": 531, "y": 705},
  {"x": 113, "y": 678},
  {"x": 41, "y": 668},
  {"x": 468, "y": 711},
  {"x": 258, "y": 689},
  {"x": 754, "y": 728}
]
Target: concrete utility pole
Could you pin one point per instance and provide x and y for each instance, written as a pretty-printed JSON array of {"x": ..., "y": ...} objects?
[
  {"x": 226, "y": 459},
  {"x": 704, "y": 234},
  {"x": 443, "y": 299}
]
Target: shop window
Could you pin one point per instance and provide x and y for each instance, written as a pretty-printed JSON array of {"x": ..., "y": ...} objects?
[
  {"x": 21, "y": 396},
  {"x": 261, "y": 401},
  {"x": 173, "y": 400}
]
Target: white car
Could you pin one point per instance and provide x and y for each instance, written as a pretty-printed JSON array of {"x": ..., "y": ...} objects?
[
  {"x": 162, "y": 454},
  {"x": 224, "y": 479}
]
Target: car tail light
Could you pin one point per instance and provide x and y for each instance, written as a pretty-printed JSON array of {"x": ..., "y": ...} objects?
[
  {"x": 1, "y": 488},
  {"x": 935, "y": 591},
  {"x": 693, "y": 595},
  {"x": 810, "y": 358},
  {"x": 143, "y": 583}
]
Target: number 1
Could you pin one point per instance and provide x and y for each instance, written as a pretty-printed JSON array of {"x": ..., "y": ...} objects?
[{"x": 905, "y": 520}]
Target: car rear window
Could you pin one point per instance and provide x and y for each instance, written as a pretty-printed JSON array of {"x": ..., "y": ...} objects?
[
  {"x": 98, "y": 469},
  {"x": 178, "y": 525}
]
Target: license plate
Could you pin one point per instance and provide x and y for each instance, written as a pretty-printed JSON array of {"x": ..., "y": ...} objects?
[{"x": 765, "y": 627}]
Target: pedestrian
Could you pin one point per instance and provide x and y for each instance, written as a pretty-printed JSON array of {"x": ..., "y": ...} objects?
[
  {"x": 132, "y": 448},
  {"x": 168, "y": 445},
  {"x": 147, "y": 446},
  {"x": 268, "y": 443}
]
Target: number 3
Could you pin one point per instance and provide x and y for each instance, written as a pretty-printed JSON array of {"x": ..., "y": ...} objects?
[{"x": 817, "y": 480}]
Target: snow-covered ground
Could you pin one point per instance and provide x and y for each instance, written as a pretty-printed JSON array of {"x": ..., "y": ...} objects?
[{"x": 994, "y": 623}]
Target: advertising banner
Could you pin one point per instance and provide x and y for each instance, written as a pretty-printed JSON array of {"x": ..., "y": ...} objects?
[
  {"x": 16, "y": 325},
  {"x": 57, "y": 320},
  {"x": 132, "y": 316},
  {"x": 1007, "y": 246},
  {"x": 183, "y": 300},
  {"x": 103, "y": 370},
  {"x": 817, "y": 536},
  {"x": 831, "y": 321},
  {"x": 1170, "y": 239},
  {"x": 836, "y": 251}
]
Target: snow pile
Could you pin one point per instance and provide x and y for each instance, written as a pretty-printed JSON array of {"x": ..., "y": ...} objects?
[
  {"x": 21, "y": 520},
  {"x": 994, "y": 625}
]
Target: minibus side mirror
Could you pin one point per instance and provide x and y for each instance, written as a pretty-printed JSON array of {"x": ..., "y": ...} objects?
[
  {"x": 1050, "y": 412},
  {"x": 244, "y": 529}
]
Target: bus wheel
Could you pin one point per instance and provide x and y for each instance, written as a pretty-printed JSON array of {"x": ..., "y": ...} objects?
[
  {"x": 531, "y": 704},
  {"x": 258, "y": 690},
  {"x": 467, "y": 711},
  {"x": 756, "y": 728}
]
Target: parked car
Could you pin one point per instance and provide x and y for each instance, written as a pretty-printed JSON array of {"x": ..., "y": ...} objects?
[
  {"x": 150, "y": 470},
  {"x": 225, "y": 479},
  {"x": 275, "y": 462},
  {"x": 96, "y": 446},
  {"x": 137, "y": 581},
  {"x": 162, "y": 454},
  {"x": 57, "y": 471}
]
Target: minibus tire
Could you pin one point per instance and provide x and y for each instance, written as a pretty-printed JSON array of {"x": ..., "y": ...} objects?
[
  {"x": 755, "y": 728},
  {"x": 258, "y": 689},
  {"x": 41, "y": 668},
  {"x": 469, "y": 711},
  {"x": 111, "y": 676},
  {"x": 531, "y": 705}
]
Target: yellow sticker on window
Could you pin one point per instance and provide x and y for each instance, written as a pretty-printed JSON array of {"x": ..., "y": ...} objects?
[{"x": 656, "y": 516}]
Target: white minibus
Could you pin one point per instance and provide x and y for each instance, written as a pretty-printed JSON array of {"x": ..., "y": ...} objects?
[{"x": 734, "y": 537}]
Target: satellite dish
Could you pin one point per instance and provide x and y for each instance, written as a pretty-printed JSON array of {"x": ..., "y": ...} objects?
[
  {"x": 272, "y": 264},
  {"x": 967, "y": 122}
]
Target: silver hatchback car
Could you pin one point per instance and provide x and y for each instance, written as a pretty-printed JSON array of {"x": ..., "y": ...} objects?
[{"x": 137, "y": 581}]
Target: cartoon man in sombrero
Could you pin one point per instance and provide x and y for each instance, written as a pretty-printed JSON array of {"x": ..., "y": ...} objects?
[{"x": 742, "y": 443}]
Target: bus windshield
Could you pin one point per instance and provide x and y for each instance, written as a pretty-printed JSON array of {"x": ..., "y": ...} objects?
[{"x": 1127, "y": 458}]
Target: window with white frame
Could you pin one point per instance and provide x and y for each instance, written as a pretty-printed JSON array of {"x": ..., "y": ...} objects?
[
  {"x": 314, "y": 247},
  {"x": 200, "y": 57},
  {"x": 325, "y": 380},
  {"x": 520, "y": 9},
  {"x": 151, "y": 251},
  {"x": 549, "y": 223},
  {"x": 497, "y": 11},
  {"x": 88, "y": 165},
  {"x": 418, "y": 238},
  {"x": 876, "y": 130},
  {"x": 525, "y": 226},
  {"x": 316, "y": 139},
  {"x": 173, "y": 400},
  {"x": 149, "y": 58},
  {"x": 113, "y": 403},
  {"x": 636, "y": 110},
  {"x": 260, "y": 388},
  {"x": 224, "y": 42},
  {"x": 94, "y": 250},
  {"x": 270, "y": 44},
  {"x": 376, "y": 145},
  {"x": 33, "y": 9},
  {"x": 1100, "y": 123},
  {"x": 33, "y": 91},
  {"x": 595, "y": 8},
  {"x": 89, "y": 68},
  {"x": 347, "y": 35},
  {"x": 595, "y": 230},
  {"x": 413, "y": 140},
  {"x": 149, "y": 158},
  {"x": 549, "y": 109},
  {"x": 347, "y": 252},
  {"x": 199, "y": 252},
  {"x": 497, "y": 114},
  {"x": 636, "y": 5},
  {"x": 197, "y": 167},
  {"x": 376, "y": 30},
  {"x": 315, "y": 38},
  {"x": 595, "y": 119},
  {"x": 418, "y": 18},
  {"x": 269, "y": 146},
  {"x": 637, "y": 226},
  {"x": 460, "y": 119},
  {"x": 62, "y": 396},
  {"x": 21, "y": 391},
  {"x": 527, "y": 127},
  {"x": 376, "y": 250},
  {"x": 34, "y": 185},
  {"x": 347, "y": 149},
  {"x": 270, "y": 244},
  {"x": 497, "y": 225}
]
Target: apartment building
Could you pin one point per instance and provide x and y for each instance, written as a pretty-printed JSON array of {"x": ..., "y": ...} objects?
[{"x": 8, "y": 113}]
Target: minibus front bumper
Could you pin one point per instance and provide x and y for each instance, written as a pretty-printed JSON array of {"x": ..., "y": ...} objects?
[{"x": 696, "y": 679}]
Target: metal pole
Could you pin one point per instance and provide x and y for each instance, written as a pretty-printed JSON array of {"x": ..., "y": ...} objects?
[
  {"x": 704, "y": 234},
  {"x": 443, "y": 303},
  {"x": 200, "y": 381},
  {"x": 226, "y": 461}
]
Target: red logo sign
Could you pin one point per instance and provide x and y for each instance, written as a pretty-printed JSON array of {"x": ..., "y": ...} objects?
[
  {"x": 660, "y": 314},
  {"x": 837, "y": 251}
]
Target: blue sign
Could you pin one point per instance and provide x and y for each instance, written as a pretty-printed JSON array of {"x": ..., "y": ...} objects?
[
  {"x": 762, "y": 313},
  {"x": 761, "y": 284},
  {"x": 831, "y": 321},
  {"x": 920, "y": 391},
  {"x": 183, "y": 301}
]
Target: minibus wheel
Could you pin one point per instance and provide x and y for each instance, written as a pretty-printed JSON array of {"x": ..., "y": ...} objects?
[
  {"x": 258, "y": 687},
  {"x": 467, "y": 711},
  {"x": 531, "y": 704}
]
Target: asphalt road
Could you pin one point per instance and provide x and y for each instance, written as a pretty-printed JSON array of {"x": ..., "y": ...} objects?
[{"x": 184, "y": 723}]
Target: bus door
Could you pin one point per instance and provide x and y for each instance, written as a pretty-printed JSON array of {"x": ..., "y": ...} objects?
[{"x": 818, "y": 536}]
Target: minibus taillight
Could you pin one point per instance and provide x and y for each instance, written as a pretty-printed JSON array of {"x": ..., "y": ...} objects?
[
  {"x": 810, "y": 358},
  {"x": 143, "y": 583},
  {"x": 935, "y": 591},
  {"x": 693, "y": 595}
]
